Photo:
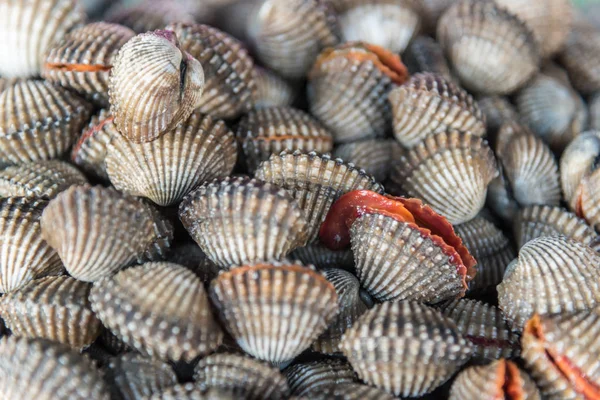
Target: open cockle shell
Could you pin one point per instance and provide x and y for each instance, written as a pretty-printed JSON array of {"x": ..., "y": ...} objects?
[
  {"x": 310, "y": 378},
  {"x": 154, "y": 86},
  {"x": 372, "y": 155},
  {"x": 577, "y": 161}
]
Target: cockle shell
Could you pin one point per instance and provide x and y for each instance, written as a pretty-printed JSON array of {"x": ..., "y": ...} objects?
[
  {"x": 29, "y": 29},
  {"x": 274, "y": 312},
  {"x": 143, "y": 111},
  {"x": 577, "y": 161},
  {"x": 497, "y": 111},
  {"x": 162, "y": 238},
  {"x": 428, "y": 104},
  {"x": 83, "y": 59},
  {"x": 405, "y": 348},
  {"x": 552, "y": 275},
  {"x": 424, "y": 54},
  {"x": 479, "y": 38},
  {"x": 160, "y": 309},
  {"x": 321, "y": 257},
  {"x": 193, "y": 258},
  {"x": 38, "y": 121},
  {"x": 272, "y": 90},
  {"x": 240, "y": 220},
  {"x": 54, "y": 308},
  {"x": 580, "y": 57},
  {"x": 310, "y": 378},
  {"x": 449, "y": 171},
  {"x": 149, "y": 15},
  {"x": 372, "y": 155}
]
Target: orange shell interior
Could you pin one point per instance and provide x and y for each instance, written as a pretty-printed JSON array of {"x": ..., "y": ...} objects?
[{"x": 78, "y": 67}]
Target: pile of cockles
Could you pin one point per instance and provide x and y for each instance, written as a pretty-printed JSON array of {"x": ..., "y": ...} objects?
[{"x": 299, "y": 199}]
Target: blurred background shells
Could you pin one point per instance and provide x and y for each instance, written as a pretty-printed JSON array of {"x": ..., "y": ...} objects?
[
  {"x": 425, "y": 54},
  {"x": 580, "y": 58},
  {"x": 594, "y": 110},
  {"x": 497, "y": 110},
  {"x": 150, "y": 15},
  {"x": 372, "y": 155},
  {"x": 89, "y": 152},
  {"x": 272, "y": 90},
  {"x": 321, "y": 257}
]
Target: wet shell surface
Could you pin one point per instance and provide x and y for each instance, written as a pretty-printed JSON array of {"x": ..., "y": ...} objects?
[
  {"x": 83, "y": 59},
  {"x": 428, "y": 104},
  {"x": 44, "y": 179},
  {"x": 272, "y": 90},
  {"x": 315, "y": 182},
  {"x": 170, "y": 317},
  {"x": 29, "y": 29},
  {"x": 580, "y": 57},
  {"x": 577, "y": 161},
  {"x": 552, "y": 275},
  {"x": 240, "y": 220},
  {"x": 372, "y": 155},
  {"x": 449, "y": 171},
  {"x": 405, "y": 348},
  {"x": 38, "y": 121},
  {"x": 166, "y": 169},
  {"x": 274, "y": 312},
  {"x": 311, "y": 378},
  {"x": 424, "y": 54},
  {"x": 479, "y": 38},
  {"x": 321, "y": 257},
  {"x": 54, "y": 308},
  {"x": 96, "y": 231},
  {"x": 154, "y": 85},
  {"x": 272, "y": 130}
]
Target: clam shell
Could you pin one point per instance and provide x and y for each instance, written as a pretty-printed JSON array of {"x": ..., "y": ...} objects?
[
  {"x": 594, "y": 110},
  {"x": 29, "y": 29},
  {"x": 501, "y": 379},
  {"x": 490, "y": 247},
  {"x": 271, "y": 221},
  {"x": 166, "y": 169},
  {"x": 351, "y": 391},
  {"x": 96, "y": 231},
  {"x": 83, "y": 59},
  {"x": 372, "y": 155},
  {"x": 552, "y": 275},
  {"x": 24, "y": 255},
  {"x": 479, "y": 38},
  {"x": 309, "y": 379},
  {"x": 315, "y": 182},
  {"x": 424, "y": 54},
  {"x": 272, "y": 90},
  {"x": 288, "y": 35},
  {"x": 190, "y": 391},
  {"x": 274, "y": 312},
  {"x": 497, "y": 111},
  {"x": 160, "y": 309},
  {"x": 252, "y": 379},
  {"x": 272, "y": 130},
  {"x": 405, "y": 348},
  {"x": 193, "y": 258},
  {"x": 428, "y": 104},
  {"x": 38, "y": 121},
  {"x": 485, "y": 327},
  {"x": 44, "y": 370},
  {"x": 449, "y": 171},
  {"x": 149, "y": 15},
  {"x": 577, "y": 161},
  {"x": 44, "y": 179},
  {"x": 54, "y": 308},
  {"x": 580, "y": 57},
  {"x": 321, "y": 257},
  {"x": 154, "y": 85}
]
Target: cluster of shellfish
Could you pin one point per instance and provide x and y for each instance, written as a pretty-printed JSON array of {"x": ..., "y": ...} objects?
[{"x": 307, "y": 199}]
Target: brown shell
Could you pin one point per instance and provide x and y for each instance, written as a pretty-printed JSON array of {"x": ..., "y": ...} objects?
[
  {"x": 273, "y": 224},
  {"x": 272, "y": 90},
  {"x": 497, "y": 111},
  {"x": 594, "y": 110},
  {"x": 54, "y": 308},
  {"x": 274, "y": 312},
  {"x": 581, "y": 58},
  {"x": 480, "y": 38},
  {"x": 315, "y": 182},
  {"x": 193, "y": 258},
  {"x": 149, "y": 15},
  {"x": 311, "y": 378},
  {"x": 160, "y": 309},
  {"x": 373, "y": 155},
  {"x": 272, "y": 130},
  {"x": 83, "y": 59},
  {"x": 577, "y": 161},
  {"x": 96, "y": 231},
  {"x": 405, "y": 348},
  {"x": 428, "y": 104},
  {"x": 552, "y": 275},
  {"x": 321, "y": 257},
  {"x": 449, "y": 171},
  {"x": 38, "y": 121}
]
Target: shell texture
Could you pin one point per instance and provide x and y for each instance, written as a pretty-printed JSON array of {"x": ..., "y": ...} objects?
[
  {"x": 432, "y": 11},
  {"x": 190, "y": 391},
  {"x": 162, "y": 238},
  {"x": 577, "y": 161},
  {"x": 374, "y": 156},
  {"x": 193, "y": 258},
  {"x": 424, "y": 54},
  {"x": 312, "y": 377},
  {"x": 149, "y": 15},
  {"x": 321, "y": 257},
  {"x": 272, "y": 90},
  {"x": 497, "y": 111}
]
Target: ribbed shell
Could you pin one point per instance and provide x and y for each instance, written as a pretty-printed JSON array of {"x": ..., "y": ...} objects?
[
  {"x": 160, "y": 309},
  {"x": 449, "y": 171},
  {"x": 288, "y": 35},
  {"x": 501, "y": 379},
  {"x": 149, "y": 15},
  {"x": 552, "y": 275},
  {"x": 193, "y": 258},
  {"x": 272, "y": 90},
  {"x": 594, "y": 110},
  {"x": 228, "y": 69},
  {"x": 83, "y": 59},
  {"x": 44, "y": 179},
  {"x": 315, "y": 182},
  {"x": 191, "y": 391},
  {"x": 310, "y": 378},
  {"x": 485, "y": 327},
  {"x": 490, "y": 50},
  {"x": 240, "y": 220},
  {"x": 162, "y": 237},
  {"x": 38, "y": 121},
  {"x": 274, "y": 312},
  {"x": 154, "y": 86},
  {"x": 321, "y": 257},
  {"x": 134, "y": 377},
  {"x": 44, "y": 370},
  {"x": 432, "y": 10},
  {"x": 581, "y": 58},
  {"x": 429, "y": 103},
  {"x": 112, "y": 344},
  {"x": 24, "y": 255},
  {"x": 577, "y": 161},
  {"x": 394, "y": 261},
  {"x": 497, "y": 111},
  {"x": 96, "y": 231},
  {"x": 89, "y": 153},
  {"x": 272, "y": 130},
  {"x": 54, "y": 308},
  {"x": 424, "y": 54},
  {"x": 29, "y": 29},
  {"x": 587, "y": 199},
  {"x": 372, "y": 155},
  {"x": 243, "y": 376},
  {"x": 405, "y": 348},
  {"x": 490, "y": 247}
]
